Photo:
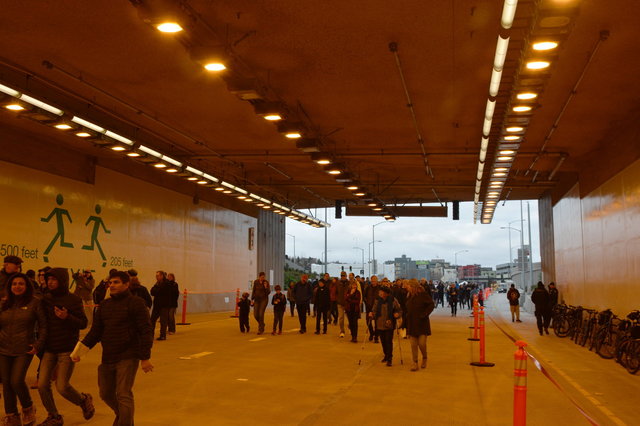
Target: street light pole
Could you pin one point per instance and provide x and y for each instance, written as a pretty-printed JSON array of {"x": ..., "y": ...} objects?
[
  {"x": 360, "y": 248},
  {"x": 294, "y": 245},
  {"x": 455, "y": 256},
  {"x": 512, "y": 228},
  {"x": 370, "y": 264},
  {"x": 373, "y": 240}
]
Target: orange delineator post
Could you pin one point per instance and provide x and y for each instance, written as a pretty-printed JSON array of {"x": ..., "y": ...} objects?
[
  {"x": 184, "y": 309},
  {"x": 520, "y": 385},
  {"x": 482, "y": 362},
  {"x": 475, "y": 319},
  {"x": 236, "y": 313}
]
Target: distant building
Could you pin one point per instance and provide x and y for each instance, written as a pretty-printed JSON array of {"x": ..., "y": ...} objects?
[{"x": 405, "y": 268}]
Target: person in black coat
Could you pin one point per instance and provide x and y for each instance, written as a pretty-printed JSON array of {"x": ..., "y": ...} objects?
[
  {"x": 65, "y": 318},
  {"x": 279, "y": 302},
  {"x": 137, "y": 289},
  {"x": 244, "y": 308},
  {"x": 175, "y": 295},
  {"x": 322, "y": 301},
  {"x": 162, "y": 293},
  {"x": 540, "y": 298},
  {"x": 419, "y": 306},
  {"x": 303, "y": 294}
]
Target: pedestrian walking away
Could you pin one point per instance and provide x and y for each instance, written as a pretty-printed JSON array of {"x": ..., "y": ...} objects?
[
  {"x": 260, "y": 299},
  {"x": 513, "y": 295},
  {"x": 419, "y": 306},
  {"x": 279, "y": 302},
  {"x": 386, "y": 310}
]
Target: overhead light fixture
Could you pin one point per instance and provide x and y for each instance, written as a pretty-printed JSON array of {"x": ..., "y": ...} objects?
[
  {"x": 171, "y": 170},
  {"x": 226, "y": 191},
  {"x": 377, "y": 209},
  {"x": 211, "y": 58},
  {"x": 9, "y": 91},
  {"x": 505, "y": 158},
  {"x": 203, "y": 182},
  {"x": 160, "y": 165},
  {"x": 499, "y": 174},
  {"x": 508, "y": 13},
  {"x": 544, "y": 45},
  {"x": 359, "y": 194},
  {"x": 241, "y": 197},
  {"x": 525, "y": 96},
  {"x": 352, "y": 187},
  {"x": 511, "y": 138},
  {"x": 192, "y": 178},
  {"x": 14, "y": 106},
  {"x": 521, "y": 108},
  {"x": 507, "y": 152},
  {"x": 321, "y": 158},
  {"x": 270, "y": 111},
  {"x": 537, "y": 65},
  {"x": 169, "y": 27},
  {"x": 37, "y": 103},
  {"x": 291, "y": 130},
  {"x": 514, "y": 129},
  {"x": 501, "y": 169},
  {"x": 133, "y": 154},
  {"x": 118, "y": 148},
  {"x": 63, "y": 126},
  {"x": 83, "y": 134}
]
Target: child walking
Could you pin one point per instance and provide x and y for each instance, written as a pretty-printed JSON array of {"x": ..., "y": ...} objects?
[
  {"x": 245, "y": 307},
  {"x": 279, "y": 302}
]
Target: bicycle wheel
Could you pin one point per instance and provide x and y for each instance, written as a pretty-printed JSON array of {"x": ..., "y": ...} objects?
[
  {"x": 561, "y": 326},
  {"x": 632, "y": 357},
  {"x": 606, "y": 344}
]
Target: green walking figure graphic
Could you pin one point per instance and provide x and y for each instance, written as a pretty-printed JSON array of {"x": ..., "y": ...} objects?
[
  {"x": 58, "y": 213},
  {"x": 97, "y": 223}
]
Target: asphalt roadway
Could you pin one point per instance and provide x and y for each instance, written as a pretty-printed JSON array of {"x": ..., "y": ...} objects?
[{"x": 211, "y": 374}]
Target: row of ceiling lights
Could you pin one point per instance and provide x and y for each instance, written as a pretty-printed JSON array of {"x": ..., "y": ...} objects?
[
  {"x": 40, "y": 111},
  {"x": 217, "y": 59},
  {"x": 523, "y": 99}
]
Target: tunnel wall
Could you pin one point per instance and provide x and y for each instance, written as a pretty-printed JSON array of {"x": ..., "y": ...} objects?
[
  {"x": 149, "y": 228},
  {"x": 597, "y": 244}
]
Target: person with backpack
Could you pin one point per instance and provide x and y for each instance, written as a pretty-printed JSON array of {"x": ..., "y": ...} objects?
[{"x": 513, "y": 295}]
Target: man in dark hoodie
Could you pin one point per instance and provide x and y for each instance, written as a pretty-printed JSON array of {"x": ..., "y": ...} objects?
[
  {"x": 540, "y": 298},
  {"x": 121, "y": 323},
  {"x": 162, "y": 296},
  {"x": 65, "y": 318},
  {"x": 322, "y": 301}
]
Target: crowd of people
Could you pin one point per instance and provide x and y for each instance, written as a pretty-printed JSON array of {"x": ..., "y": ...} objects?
[{"x": 40, "y": 316}]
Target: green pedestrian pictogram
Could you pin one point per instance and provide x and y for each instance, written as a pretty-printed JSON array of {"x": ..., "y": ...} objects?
[
  {"x": 97, "y": 223},
  {"x": 58, "y": 213}
]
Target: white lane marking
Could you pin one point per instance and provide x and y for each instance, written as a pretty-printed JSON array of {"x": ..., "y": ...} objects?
[
  {"x": 196, "y": 356},
  {"x": 257, "y": 339}
]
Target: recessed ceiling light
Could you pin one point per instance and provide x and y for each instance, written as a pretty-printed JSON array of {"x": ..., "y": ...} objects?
[
  {"x": 511, "y": 138},
  {"x": 226, "y": 191},
  {"x": 219, "y": 188},
  {"x": 545, "y": 45},
  {"x": 352, "y": 187},
  {"x": 133, "y": 154},
  {"x": 334, "y": 172},
  {"x": 202, "y": 182},
  {"x": 324, "y": 161},
  {"x": 266, "y": 207},
  {"x": 538, "y": 65},
  {"x": 505, "y": 158},
  {"x": 118, "y": 148},
  {"x": 14, "y": 107},
  {"x": 293, "y": 135},
  {"x": 247, "y": 200},
  {"x": 83, "y": 134},
  {"x": 273, "y": 117},
  {"x": 169, "y": 27},
  {"x": 507, "y": 152},
  {"x": 192, "y": 178},
  {"x": 514, "y": 129},
  {"x": 215, "y": 66},
  {"x": 526, "y": 96},
  {"x": 501, "y": 169},
  {"x": 62, "y": 126},
  {"x": 521, "y": 108},
  {"x": 359, "y": 194},
  {"x": 499, "y": 174},
  {"x": 377, "y": 209},
  {"x": 492, "y": 196},
  {"x": 241, "y": 197},
  {"x": 172, "y": 170},
  {"x": 160, "y": 165}
]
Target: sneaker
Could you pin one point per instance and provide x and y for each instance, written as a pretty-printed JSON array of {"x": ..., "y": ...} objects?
[
  {"x": 12, "y": 420},
  {"x": 341, "y": 334},
  {"x": 28, "y": 416},
  {"x": 52, "y": 420},
  {"x": 161, "y": 338},
  {"x": 88, "y": 410}
]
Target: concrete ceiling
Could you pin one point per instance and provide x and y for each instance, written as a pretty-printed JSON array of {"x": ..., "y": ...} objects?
[{"x": 329, "y": 62}]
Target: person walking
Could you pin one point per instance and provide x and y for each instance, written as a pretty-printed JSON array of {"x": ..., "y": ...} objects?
[
  {"x": 84, "y": 289},
  {"x": 137, "y": 289},
  {"x": 333, "y": 296},
  {"x": 122, "y": 324},
  {"x": 540, "y": 298},
  {"x": 322, "y": 300},
  {"x": 353, "y": 300},
  {"x": 244, "y": 307},
  {"x": 452, "y": 294},
  {"x": 162, "y": 293},
  {"x": 260, "y": 299},
  {"x": 419, "y": 306},
  {"x": 553, "y": 301},
  {"x": 279, "y": 302},
  {"x": 21, "y": 314},
  {"x": 386, "y": 310},
  {"x": 290, "y": 297},
  {"x": 175, "y": 295},
  {"x": 370, "y": 295},
  {"x": 513, "y": 295},
  {"x": 65, "y": 316},
  {"x": 341, "y": 290},
  {"x": 303, "y": 294}
]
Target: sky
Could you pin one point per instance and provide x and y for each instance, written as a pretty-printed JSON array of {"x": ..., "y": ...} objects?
[{"x": 418, "y": 238}]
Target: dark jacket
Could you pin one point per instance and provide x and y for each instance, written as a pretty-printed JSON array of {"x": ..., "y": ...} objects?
[
  {"x": 162, "y": 293},
  {"x": 513, "y": 295},
  {"x": 245, "y": 307},
  {"x": 303, "y": 292},
  {"x": 139, "y": 290},
  {"x": 62, "y": 334},
  {"x": 100, "y": 291},
  {"x": 281, "y": 306},
  {"x": 383, "y": 310},
  {"x": 123, "y": 326},
  {"x": 4, "y": 279},
  {"x": 322, "y": 298},
  {"x": 341, "y": 290},
  {"x": 540, "y": 298},
  {"x": 175, "y": 295},
  {"x": 419, "y": 307},
  {"x": 553, "y": 297},
  {"x": 18, "y": 325},
  {"x": 352, "y": 301},
  {"x": 370, "y": 295},
  {"x": 453, "y": 295},
  {"x": 260, "y": 291},
  {"x": 84, "y": 286}
]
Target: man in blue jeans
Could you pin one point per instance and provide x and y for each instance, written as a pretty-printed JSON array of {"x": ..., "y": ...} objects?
[
  {"x": 260, "y": 299},
  {"x": 121, "y": 323},
  {"x": 65, "y": 318}
]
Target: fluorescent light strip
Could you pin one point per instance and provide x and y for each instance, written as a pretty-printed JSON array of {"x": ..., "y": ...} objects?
[
  {"x": 508, "y": 13},
  {"x": 240, "y": 190},
  {"x": 483, "y": 155},
  {"x": 194, "y": 171},
  {"x": 501, "y": 53},
  {"x": 484, "y": 144},
  {"x": 9, "y": 91},
  {"x": 488, "y": 112},
  {"x": 118, "y": 137},
  {"x": 227, "y": 184},
  {"x": 40, "y": 104},
  {"x": 212, "y": 178},
  {"x": 88, "y": 124},
  {"x": 172, "y": 161},
  {"x": 494, "y": 85},
  {"x": 255, "y": 197},
  {"x": 486, "y": 127},
  {"x": 150, "y": 151}
]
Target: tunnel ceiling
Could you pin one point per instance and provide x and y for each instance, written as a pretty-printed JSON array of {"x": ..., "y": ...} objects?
[{"x": 338, "y": 70}]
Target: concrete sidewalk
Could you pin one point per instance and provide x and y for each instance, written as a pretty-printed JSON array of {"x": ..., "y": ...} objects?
[{"x": 231, "y": 378}]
